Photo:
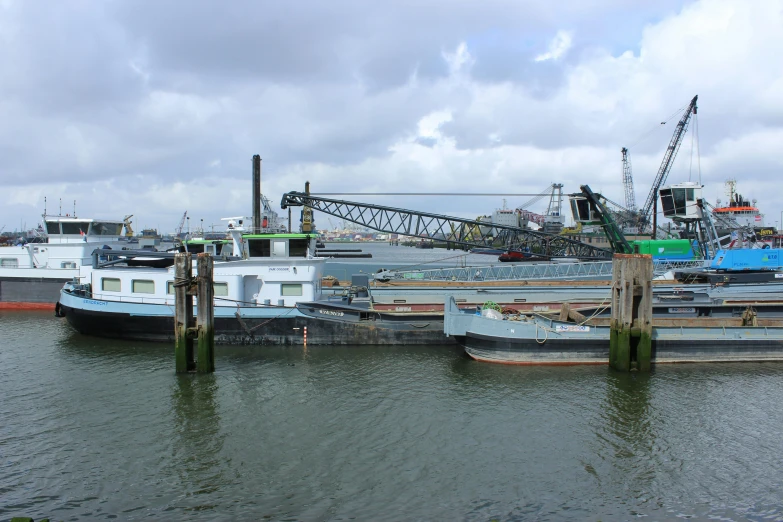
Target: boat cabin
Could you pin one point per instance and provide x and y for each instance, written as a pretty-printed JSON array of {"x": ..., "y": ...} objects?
[
  {"x": 69, "y": 243},
  {"x": 66, "y": 229}
]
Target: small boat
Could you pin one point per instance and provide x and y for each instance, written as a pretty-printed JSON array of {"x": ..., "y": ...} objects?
[{"x": 491, "y": 336}]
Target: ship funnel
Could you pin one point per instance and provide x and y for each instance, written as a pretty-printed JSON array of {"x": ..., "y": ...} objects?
[{"x": 256, "y": 193}]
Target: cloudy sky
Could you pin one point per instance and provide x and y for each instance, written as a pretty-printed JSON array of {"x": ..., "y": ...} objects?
[{"x": 152, "y": 108}]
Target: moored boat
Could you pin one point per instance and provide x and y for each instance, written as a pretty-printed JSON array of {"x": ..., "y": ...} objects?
[
  {"x": 32, "y": 274},
  {"x": 256, "y": 290},
  {"x": 531, "y": 340}
]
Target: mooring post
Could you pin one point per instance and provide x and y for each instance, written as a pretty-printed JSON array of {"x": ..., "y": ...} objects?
[
  {"x": 206, "y": 315},
  {"x": 183, "y": 313},
  {"x": 630, "y": 334}
]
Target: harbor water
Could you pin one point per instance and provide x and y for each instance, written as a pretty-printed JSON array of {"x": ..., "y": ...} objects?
[{"x": 92, "y": 429}]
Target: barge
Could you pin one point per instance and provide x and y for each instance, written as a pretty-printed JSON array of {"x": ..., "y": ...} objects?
[{"x": 490, "y": 336}]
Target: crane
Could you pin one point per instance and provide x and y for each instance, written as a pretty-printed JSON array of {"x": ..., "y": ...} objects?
[
  {"x": 182, "y": 223},
  {"x": 630, "y": 197},
  {"x": 588, "y": 207},
  {"x": 666, "y": 165},
  {"x": 450, "y": 229},
  {"x": 128, "y": 228}
]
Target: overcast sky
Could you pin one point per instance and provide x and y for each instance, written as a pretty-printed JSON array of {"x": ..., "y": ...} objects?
[{"x": 152, "y": 108}]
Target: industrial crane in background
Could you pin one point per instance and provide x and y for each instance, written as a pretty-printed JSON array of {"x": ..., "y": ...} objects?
[
  {"x": 128, "y": 229},
  {"x": 630, "y": 197},
  {"x": 182, "y": 224},
  {"x": 646, "y": 214}
]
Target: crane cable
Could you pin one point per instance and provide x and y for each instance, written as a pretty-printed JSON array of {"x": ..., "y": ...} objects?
[{"x": 643, "y": 136}]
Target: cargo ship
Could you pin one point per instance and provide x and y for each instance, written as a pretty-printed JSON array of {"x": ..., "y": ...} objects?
[{"x": 743, "y": 213}]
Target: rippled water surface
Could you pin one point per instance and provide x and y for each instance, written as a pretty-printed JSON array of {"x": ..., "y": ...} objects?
[{"x": 93, "y": 429}]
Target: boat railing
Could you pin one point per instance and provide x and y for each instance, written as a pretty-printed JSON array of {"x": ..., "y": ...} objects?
[
  {"x": 169, "y": 300},
  {"x": 529, "y": 271}
]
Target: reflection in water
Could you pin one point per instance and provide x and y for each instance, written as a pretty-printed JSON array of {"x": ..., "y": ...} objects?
[
  {"x": 198, "y": 442},
  {"x": 627, "y": 433}
]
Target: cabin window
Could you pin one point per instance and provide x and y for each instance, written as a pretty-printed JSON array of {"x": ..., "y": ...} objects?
[
  {"x": 290, "y": 289},
  {"x": 689, "y": 195},
  {"x": 221, "y": 289},
  {"x": 170, "y": 287},
  {"x": 110, "y": 284},
  {"x": 106, "y": 229},
  {"x": 196, "y": 248},
  {"x": 679, "y": 200},
  {"x": 142, "y": 286},
  {"x": 75, "y": 227},
  {"x": 297, "y": 247},
  {"x": 68, "y": 264},
  {"x": 9, "y": 262},
  {"x": 52, "y": 227},
  {"x": 259, "y": 248}
]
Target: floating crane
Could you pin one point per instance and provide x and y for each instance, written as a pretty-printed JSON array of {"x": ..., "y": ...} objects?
[
  {"x": 668, "y": 159},
  {"x": 451, "y": 229}
]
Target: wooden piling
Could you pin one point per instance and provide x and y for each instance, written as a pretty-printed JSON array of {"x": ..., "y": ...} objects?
[
  {"x": 183, "y": 313},
  {"x": 630, "y": 335},
  {"x": 206, "y": 314}
]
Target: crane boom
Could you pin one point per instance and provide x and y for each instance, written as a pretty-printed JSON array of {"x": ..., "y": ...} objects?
[
  {"x": 666, "y": 164},
  {"x": 630, "y": 197},
  {"x": 454, "y": 230},
  {"x": 182, "y": 223}
]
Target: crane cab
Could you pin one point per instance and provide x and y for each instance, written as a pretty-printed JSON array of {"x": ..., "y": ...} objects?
[
  {"x": 679, "y": 201},
  {"x": 584, "y": 212}
]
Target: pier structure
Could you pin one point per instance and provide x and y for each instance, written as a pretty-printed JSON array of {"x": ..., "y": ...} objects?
[
  {"x": 630, "y": 334},
  {"x": 185, "y": 331}
]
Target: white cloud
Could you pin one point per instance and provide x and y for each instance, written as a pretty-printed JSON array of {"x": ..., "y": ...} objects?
[
  {"x": 428, "y": 131},
  {"x": 559, "y": 45}
]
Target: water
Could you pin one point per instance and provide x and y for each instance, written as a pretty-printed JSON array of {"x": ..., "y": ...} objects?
[{"x": 93, "y": 430}]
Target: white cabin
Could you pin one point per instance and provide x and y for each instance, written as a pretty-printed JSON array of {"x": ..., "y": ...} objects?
[{"x": 69, "y": 244}]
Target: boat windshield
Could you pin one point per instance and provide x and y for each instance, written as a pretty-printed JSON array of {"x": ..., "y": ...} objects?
[
  {"x": 105, "y": 229},
  {"x": 75, "y": 227}
]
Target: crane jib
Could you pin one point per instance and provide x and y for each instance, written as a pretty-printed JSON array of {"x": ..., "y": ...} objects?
[{"x": 454, "y": 230}]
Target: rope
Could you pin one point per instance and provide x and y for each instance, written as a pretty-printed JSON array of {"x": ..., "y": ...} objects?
[{"x": 251, "y": 330}]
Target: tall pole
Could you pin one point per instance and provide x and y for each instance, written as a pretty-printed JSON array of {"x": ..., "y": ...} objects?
[{"x": 256, "y": 194}]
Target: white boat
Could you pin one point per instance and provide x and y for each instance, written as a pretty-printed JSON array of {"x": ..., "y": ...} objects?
[
  {"x": 32, "y": 274},
  {"x": 256, "y": 291}
]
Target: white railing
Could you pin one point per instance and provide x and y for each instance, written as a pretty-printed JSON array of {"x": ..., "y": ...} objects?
[{"x": 530, "y": 271}]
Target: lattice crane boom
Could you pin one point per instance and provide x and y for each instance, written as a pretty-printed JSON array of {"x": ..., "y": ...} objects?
[
  {"x": 182, "y": 223},
  {"x": 630, "y": 196},
  {"x": 455, "y": 230},
  {"x": 666, "y": 164}
]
